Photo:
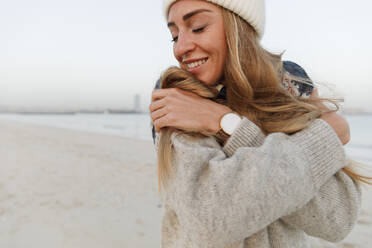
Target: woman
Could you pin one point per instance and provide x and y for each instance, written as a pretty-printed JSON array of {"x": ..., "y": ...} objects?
[{"x": 263, "y": 178}]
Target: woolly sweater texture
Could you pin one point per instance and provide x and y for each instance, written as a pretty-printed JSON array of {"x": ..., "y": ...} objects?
[{"x": 258, "y": 191}]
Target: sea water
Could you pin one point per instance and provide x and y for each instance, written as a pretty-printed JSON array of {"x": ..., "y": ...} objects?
[
  {"x": 138, "y": 126},
  {"x": 360, "y": 145}
]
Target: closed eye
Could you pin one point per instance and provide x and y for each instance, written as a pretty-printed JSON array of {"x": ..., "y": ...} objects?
[
  {"x": 198, "y": 30},
  {"x": 174, "y": 39}
]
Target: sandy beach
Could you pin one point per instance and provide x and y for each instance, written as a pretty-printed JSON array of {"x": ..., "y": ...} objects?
[{"x": 73, "y": 189}]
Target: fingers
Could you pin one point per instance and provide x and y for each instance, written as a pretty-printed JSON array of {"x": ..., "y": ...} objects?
[
  {"x": 158, "y": 109},
  {"x": 170, "y": 107},
  {"x": 161, "y": 122},
  {"x": 158, "y": 94},
  {"x": 158, "y": 125},
  {"x": 157, "y": 105},
  {"x": 158, "y": 113}
]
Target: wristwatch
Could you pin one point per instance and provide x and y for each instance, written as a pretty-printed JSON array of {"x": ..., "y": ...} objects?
[{"x": 228, "y": 123}]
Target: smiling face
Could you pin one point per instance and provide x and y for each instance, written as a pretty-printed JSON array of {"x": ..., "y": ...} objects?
[{"x": 198, "y": 34}]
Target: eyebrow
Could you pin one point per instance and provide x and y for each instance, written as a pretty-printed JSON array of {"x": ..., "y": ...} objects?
[{"x": 189, "y": 15}]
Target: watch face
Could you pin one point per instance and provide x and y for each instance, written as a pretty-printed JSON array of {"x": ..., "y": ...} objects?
[{"x": 229, "y": 122}]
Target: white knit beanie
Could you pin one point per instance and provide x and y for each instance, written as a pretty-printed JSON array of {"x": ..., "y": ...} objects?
[{"x": 252, "y": 11}]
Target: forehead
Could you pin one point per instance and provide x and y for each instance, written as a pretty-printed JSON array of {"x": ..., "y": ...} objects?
[{"x": 183, "y": 7}]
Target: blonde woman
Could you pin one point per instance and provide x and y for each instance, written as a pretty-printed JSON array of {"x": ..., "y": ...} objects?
[{"x": 243, "y": 161}]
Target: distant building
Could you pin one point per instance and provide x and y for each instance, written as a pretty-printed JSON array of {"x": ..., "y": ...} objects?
[{"x": 137, "y": 103}]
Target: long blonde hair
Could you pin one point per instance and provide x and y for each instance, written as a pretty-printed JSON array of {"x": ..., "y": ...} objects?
[{"x": 252, "y": 78}]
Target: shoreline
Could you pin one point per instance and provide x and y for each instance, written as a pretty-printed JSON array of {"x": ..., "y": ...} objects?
[
  {"x": 74, "y": 129},
  {"x": 105, "y": 124},
  {"x": 69, "y": 188}
]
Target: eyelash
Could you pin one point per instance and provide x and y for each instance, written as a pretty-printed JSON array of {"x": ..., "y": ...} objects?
[{"x": 198, "y": 30}]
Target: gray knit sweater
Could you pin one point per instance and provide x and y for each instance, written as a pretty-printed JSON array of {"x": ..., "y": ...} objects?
[{"x": 258, "y": 191}]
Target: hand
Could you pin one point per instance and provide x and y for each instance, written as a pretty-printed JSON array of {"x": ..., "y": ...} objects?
[
  {"x": 336, "y": 121},
  {"x": 185, "y": 110}
]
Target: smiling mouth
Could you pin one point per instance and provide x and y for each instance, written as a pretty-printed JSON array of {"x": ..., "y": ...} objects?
[{"x": 195, "y": 64}]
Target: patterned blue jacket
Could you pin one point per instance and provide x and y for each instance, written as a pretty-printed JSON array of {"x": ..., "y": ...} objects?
[{"x": 294, "y": 79}]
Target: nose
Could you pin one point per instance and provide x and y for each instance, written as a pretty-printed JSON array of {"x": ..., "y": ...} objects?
[{"x": 184, "y": 45}]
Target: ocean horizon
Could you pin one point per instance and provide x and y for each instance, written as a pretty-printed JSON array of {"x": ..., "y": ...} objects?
[{"x": 138, "y": 126}]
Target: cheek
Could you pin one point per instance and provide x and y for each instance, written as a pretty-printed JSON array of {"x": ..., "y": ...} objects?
[
  {"x": 221, "y": 44},
  {"x": 220, "y": 52},
  {"x": 174, "y": 53},
  {"x": 222, "y": 47},
  {"x": 215, "y": 69}
]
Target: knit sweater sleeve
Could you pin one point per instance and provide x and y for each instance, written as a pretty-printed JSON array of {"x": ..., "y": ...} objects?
[
  {"x": 221, "y": 200},
  {"x": 331, "y": 214}
]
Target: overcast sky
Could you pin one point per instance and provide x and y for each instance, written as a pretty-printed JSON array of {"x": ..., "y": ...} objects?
[{"x": 80, "y": 53}]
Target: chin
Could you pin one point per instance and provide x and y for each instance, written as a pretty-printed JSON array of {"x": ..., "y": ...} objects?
[{"x": 205, "y": 81}]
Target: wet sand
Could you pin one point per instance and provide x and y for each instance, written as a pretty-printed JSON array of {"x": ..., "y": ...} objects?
[{"x": 64, "y": 188}]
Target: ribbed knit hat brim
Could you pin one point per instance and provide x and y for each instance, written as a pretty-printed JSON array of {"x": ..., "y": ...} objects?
[{"x": 252, "y": 11}]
